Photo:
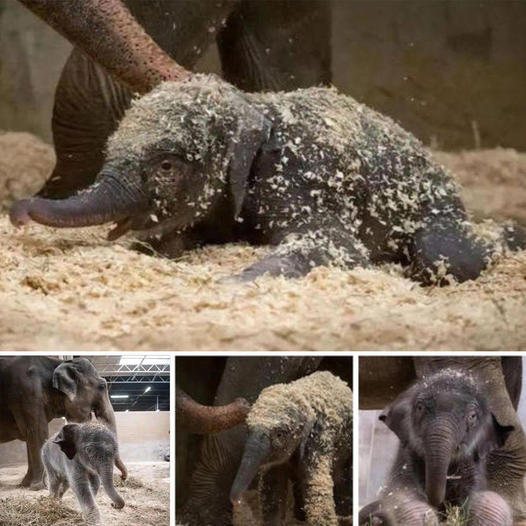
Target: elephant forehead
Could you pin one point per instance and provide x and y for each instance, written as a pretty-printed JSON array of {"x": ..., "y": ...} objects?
[
  {"x": 279, "y": 406},
  {"x": 180, "y": 113}
]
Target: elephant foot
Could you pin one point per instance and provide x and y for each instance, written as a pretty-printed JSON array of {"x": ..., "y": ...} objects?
[{"x": 37, "y": 486}]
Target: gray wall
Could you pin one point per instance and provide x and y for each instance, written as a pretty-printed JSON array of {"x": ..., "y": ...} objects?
[
  {"x": 378, "y": 447},
  {"x": 443, "y": 68},
  {"x": 143, "y": 437}
]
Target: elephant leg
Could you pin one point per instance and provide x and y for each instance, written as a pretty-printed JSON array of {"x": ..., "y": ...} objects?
[
  {"x": 298, "y": 253},
  {"x": 399, "y": 508},
  {"x": 318, "y": 490},
  {"x": 35, "y": 471},
  {"x": 273, "y": 491},
  {"x": 277, "y": 45},
  {"x": 81, "y": 487},
  {"x": 445, "y": 248},
  {"x": 487, "y": 508}
]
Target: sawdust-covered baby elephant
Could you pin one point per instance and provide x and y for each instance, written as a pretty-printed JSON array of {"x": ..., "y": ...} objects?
[
  {"x": 446, "y": 431},
  {"x": 322, "y": 178},
  {"x": 300, "y": 432},
  {"x": 81, "y": 456}
]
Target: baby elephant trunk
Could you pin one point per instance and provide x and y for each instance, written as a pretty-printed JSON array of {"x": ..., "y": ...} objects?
[
  {"x": 440, "y": 445},
  {"x": 256, "y": 452},
  {"x": 106, "y": 201},
  {"x": 106, "y": 476}
]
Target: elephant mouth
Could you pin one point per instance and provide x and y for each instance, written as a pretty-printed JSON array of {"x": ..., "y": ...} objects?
[{"x": 146, "y": 227}]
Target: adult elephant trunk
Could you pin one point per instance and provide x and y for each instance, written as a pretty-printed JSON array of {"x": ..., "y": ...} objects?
[
  {"x": 196, "y": 418},
  {"x": 107, "y": 32},
  {"x": 106, "y": 477},
  {"x": 105, "y": 201},
  {"x": 257, "y": 450},
  {"x": 439, "y": 445}
]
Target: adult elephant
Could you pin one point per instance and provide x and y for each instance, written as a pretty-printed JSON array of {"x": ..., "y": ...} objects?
[
  {"x": 206, "y": 466},
  {"x": 383, "y": 378},
  {"x": 36, "y": 389},
  {"x": 279, "y": 45}
]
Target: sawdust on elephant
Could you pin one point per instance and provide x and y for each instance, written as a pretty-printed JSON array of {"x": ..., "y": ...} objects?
[{"x": 71, "y": 288}]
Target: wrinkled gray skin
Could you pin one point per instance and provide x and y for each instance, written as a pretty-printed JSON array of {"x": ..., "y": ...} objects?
[
  {"x": 80, "y": 457},
  {"x": 446, "y": 431},
  {"x": 36, "y": 389},
  {"x": 311, "y": 172},
  {"x": 305, "y": 443}
]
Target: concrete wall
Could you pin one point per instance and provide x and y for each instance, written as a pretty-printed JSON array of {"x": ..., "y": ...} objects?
[
  {"x": 449, "y": 71},
  {"x": 143, "y": 436}
]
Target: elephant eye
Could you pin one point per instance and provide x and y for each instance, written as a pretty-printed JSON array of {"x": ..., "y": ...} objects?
[
  {"x": 419, "y": 408},
  {"x": 166, "y": 165},
  {"x": 472, "y": 417}
]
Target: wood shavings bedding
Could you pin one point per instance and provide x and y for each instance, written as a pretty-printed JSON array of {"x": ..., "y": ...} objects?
[{"x": 71, "y": 289}]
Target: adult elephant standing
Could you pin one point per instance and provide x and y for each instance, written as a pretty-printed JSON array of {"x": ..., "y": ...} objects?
[
  {"x": 36, "y": 389},
  {"x": 206, "y": 468},
  {"x": 382, "y": 378}
]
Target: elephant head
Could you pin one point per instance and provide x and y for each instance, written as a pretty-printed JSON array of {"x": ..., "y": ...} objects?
[
  {"x": 182, "y": 153},
  {"x": 444, "y": 420},
  {"x": 95, "y": 447},
  {"x": 278, "y": 427},
  {"x": 85, "y": 391}
]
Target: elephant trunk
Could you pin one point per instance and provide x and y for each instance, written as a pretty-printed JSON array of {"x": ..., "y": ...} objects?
[
  {"x": 105, "y": 201},
  {"x": 256, "y": 452},
  {"x": 197, "y": 418},
  {"x": 440, "y": 445},
  {"x": 106, "y": 476},
  {"x": 121, "y": 45}
]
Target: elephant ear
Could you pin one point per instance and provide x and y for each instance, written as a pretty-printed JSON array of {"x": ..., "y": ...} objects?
[
  {"x": 397, "y": 416},
  {"x": 252, "y": 132},
  {"x": 67, "y": 440},
  {"x": 495, "y": 437},
  {"x": 65, "y": 380}
]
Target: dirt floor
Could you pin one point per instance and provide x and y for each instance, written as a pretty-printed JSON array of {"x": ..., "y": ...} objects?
[
  {"x": 146, "y": 493},
  {"x": 64, "y": 289}
]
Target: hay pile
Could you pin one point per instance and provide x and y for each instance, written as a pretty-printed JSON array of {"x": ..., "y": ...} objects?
[
  {"x": 44, "y": 511},
  {"x": 146, "y": 495},
  {"x": 64, "y": 289}
]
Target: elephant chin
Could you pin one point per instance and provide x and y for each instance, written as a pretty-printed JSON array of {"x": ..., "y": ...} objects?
[{"x": 257, "y": 450}]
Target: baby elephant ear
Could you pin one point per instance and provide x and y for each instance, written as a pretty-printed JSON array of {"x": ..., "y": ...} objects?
[
  {"x": 66, "y": 440},
  {"x": 495, "y": 437},
  {"x": 397, "y": 417},
  {"x": 253, "y": 130}
]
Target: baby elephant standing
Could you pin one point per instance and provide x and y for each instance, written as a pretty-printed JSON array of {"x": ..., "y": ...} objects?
[
  {"x": 446, "y": 432},
  {"x": 80, "y": 456},
  {"x": 301, "y": 432}
]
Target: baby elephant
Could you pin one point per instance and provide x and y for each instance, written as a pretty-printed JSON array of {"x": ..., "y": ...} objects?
[
  {"x": 300, "y": 431},
  {"x": 446, "y": 433},
  {"x": 81, "y": 456}
]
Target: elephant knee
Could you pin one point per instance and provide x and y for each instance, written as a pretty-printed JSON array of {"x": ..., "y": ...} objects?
[{"x": 487, "y": 508}]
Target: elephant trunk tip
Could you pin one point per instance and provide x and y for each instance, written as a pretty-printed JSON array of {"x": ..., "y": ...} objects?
[
  {"x": 19, "y": 213},
  {"x": 118, "y": 503}
]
